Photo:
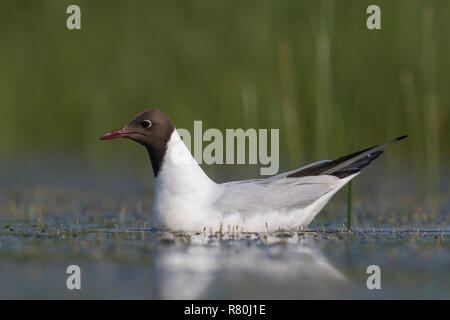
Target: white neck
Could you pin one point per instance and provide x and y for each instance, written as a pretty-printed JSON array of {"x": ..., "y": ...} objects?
[
  {"x": 180, "y": 170},
  {"x": 183, "y": 192}
]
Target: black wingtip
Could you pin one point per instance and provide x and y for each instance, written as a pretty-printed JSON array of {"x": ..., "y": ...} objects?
[{"x": 402, "y": 137}]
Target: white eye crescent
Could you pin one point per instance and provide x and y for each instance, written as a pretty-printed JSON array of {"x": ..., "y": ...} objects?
[{"x": 146, "y": 124}]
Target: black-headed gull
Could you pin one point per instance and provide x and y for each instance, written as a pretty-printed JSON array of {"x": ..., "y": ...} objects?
[{"x": 186, "y": 198}]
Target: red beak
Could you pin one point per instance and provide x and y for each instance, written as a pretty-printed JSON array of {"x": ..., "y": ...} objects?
[{"x": 115, "y": 134}]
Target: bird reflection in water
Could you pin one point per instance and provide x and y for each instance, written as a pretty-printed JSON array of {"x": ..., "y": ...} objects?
[{"x": 275, "y": 269}]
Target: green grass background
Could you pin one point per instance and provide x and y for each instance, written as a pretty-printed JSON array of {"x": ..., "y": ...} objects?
[{"x": 310, "y": 68}]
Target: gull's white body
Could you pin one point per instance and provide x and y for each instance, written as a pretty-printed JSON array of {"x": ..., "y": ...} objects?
[{"x": 186, "y": 199}]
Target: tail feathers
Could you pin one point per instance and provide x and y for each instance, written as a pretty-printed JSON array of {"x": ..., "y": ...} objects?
[
  {"x": 357, "y": 165},
  {"x": 346, "y": 165}
]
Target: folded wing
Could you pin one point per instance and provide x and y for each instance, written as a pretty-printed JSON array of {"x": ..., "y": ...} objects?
[
  {"x": 299, "y": 188},
  {"x": 275, "y": 193}
]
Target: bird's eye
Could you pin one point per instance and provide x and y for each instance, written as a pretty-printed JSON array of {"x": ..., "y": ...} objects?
[{"x": 146, "y": 124}]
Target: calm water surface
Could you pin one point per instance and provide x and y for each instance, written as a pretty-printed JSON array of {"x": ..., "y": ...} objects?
[{"x": 61, "y": 215}]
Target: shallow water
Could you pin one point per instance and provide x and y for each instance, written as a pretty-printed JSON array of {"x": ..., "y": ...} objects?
[
  {"x": 101, "y": 223},
  {"x": 139, "y": 263}
]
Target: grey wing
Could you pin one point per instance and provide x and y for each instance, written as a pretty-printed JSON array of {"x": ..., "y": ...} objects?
[
  {"x": 275, "y": 192},
  {"x": 298, "y": 188}
]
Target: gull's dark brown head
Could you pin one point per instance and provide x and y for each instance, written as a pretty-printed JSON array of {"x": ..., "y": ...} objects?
[{"x": 151, "y": 128}]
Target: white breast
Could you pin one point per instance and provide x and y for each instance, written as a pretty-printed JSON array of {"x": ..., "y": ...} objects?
[{"x": 183, "y": 192}]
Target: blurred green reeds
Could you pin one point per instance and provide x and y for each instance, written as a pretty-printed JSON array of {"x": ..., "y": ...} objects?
[{"x": 310, "y": 68}]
